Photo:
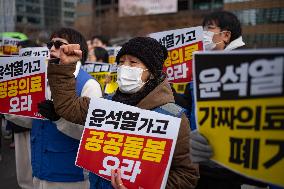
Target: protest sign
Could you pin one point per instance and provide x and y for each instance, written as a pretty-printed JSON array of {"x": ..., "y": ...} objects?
[
  {"x": 139, "y": 142},
  {"x": 9, "y": 46},
  {"x": 181, "y": 43},
  {"x": 240, "y": 110},
  {"x": 112, "y": 52},
  {"x": 104, "y": 73},
  {"x": 35, "y": 52},
  {"x": 22, "y": 85}
]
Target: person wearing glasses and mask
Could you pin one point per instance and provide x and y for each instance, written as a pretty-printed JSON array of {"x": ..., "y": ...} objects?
[
  {"x": 22, "y": 143},
  {"x": 222, "y": 31},
  {"x": 142, "y": 84},
  {"x": 54, "y": 142}
]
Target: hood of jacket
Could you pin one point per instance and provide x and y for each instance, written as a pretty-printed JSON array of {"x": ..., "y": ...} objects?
[
  {"x": 161, "y": 95},
  {"x": 235, "y": 44}
]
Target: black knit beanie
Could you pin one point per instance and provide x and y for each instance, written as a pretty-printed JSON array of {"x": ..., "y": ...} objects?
[{"x": 148, "y": 50}]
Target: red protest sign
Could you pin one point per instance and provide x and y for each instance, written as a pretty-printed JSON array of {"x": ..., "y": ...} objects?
[
  {"x": 181, "y": 43},
  {"x": 178, "y": 65},
  {"x": 139, "y": 142},
  {"x": 22, "y": 85},
  {"x": 142, "y": 160}
]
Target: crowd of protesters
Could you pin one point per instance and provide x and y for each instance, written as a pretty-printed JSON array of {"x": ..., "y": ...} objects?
[{"x": 46, "y": 150}]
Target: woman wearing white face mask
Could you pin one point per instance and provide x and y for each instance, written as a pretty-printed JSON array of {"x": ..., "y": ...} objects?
[
  {"x": 222, "y": 31},
  {"x": 142, "y": 84}
]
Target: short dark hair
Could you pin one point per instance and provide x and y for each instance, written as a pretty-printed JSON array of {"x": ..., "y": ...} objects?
[
  {"x": 101, "y": 53},
  {"x": 104, "y": 39},
  {"x": 226, "y": 21},
  {"x": 74, "y": 37}
]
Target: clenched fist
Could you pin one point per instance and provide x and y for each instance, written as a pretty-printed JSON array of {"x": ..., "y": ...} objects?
[{"x": 70, "y": 53}]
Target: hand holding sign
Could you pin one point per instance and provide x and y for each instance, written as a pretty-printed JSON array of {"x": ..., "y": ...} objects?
[
  {"x": 46, "y": 109},
  {"x": 70, "y": 53},
  {"x": 116, "y": 181},
  {"x": 118, "y": 136}
]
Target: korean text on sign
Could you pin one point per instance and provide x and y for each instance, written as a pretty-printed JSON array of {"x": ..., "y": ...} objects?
[
  {"x": 129, "y": 138},
  {"x": 22, "y": 85},
  {"x": 240, "y": 97},
  {"x": 112, "y": 52},
  {"x": 9, "y": 46},
  {"x": 181, "y": 44},
  {"x": 35, "y": 52},
  {"x": 104, "y": 73}
]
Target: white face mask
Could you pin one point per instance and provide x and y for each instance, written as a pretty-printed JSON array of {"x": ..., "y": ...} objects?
[
  {"x": 129, "y": 79},
  {"x": 208, "y": 40}
]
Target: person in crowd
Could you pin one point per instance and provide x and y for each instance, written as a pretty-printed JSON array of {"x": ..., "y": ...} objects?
[
  {"x": 222, "y": 31},
  {"x": 22, "y": 143},
  {"x": 140, "y": 61},
  {"x": 91, "y": 55},
  {"x": 89, "y": 44},
  {"x": 100, "y": 41},
  {"x": 53, "y": 144},
  {"x": 99, "y": 55}
]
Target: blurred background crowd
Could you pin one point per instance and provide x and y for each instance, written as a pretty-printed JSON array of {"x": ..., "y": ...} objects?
[{"x": 119, "y": 20}]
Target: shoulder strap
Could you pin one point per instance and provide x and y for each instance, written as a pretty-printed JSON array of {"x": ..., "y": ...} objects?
[
  {"x": 172, "y": 109},
  {"x": 81, "y": 79}
]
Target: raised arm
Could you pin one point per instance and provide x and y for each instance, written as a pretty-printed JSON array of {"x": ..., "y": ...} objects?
[{"x": 63, "y": 89}]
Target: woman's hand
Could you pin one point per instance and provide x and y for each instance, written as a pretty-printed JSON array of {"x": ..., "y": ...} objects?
[{"x": 116, "y": 181}]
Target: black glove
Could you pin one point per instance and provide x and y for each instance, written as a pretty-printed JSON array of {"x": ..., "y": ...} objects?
[{"x": 46, "y": 109}]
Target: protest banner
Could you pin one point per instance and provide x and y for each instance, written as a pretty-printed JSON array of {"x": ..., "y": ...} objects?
[
  {"x": 139, "y": 142},
  {"x": 9, "y": 46},
  {"x": 181, "y": 43},
  {"x": 240, "y": 110},
  {"x": 35, "y": 52},
  {"x": 104, "y": 73},
  {"x": 22, "y": 85},
  {"x": 112, "y": 52}
]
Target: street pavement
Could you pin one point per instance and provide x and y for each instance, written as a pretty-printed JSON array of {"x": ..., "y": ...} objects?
[{"x": 8, "y": 179}]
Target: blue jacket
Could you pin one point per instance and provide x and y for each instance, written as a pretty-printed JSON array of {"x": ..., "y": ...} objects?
[
  {"x": 97, "y": 182},
  {"x": 53, "y": 153},
  {"x": 192, "y": 113}
]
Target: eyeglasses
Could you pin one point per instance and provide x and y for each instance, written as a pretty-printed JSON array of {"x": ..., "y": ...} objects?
[
  {"x": 56, "y": 44},
  {"x": 209, "y": 27}
]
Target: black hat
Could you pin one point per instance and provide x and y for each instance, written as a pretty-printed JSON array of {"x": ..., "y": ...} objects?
[{"x": 148, "y": 50}]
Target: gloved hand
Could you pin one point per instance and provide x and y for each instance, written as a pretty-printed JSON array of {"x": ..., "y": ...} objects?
[
  {"x": 46, "y": 109},
  {"x": 201, "y": 151}
]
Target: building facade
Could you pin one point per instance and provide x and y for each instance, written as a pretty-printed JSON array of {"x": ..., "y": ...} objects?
[
  {"x": 84, "y": 21},
  {"x": 7, "y": 15},
  {"x": 262, "y": 20},
  {"x": 40, "y": 17},
  {"x": 68, "y": 12}
]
